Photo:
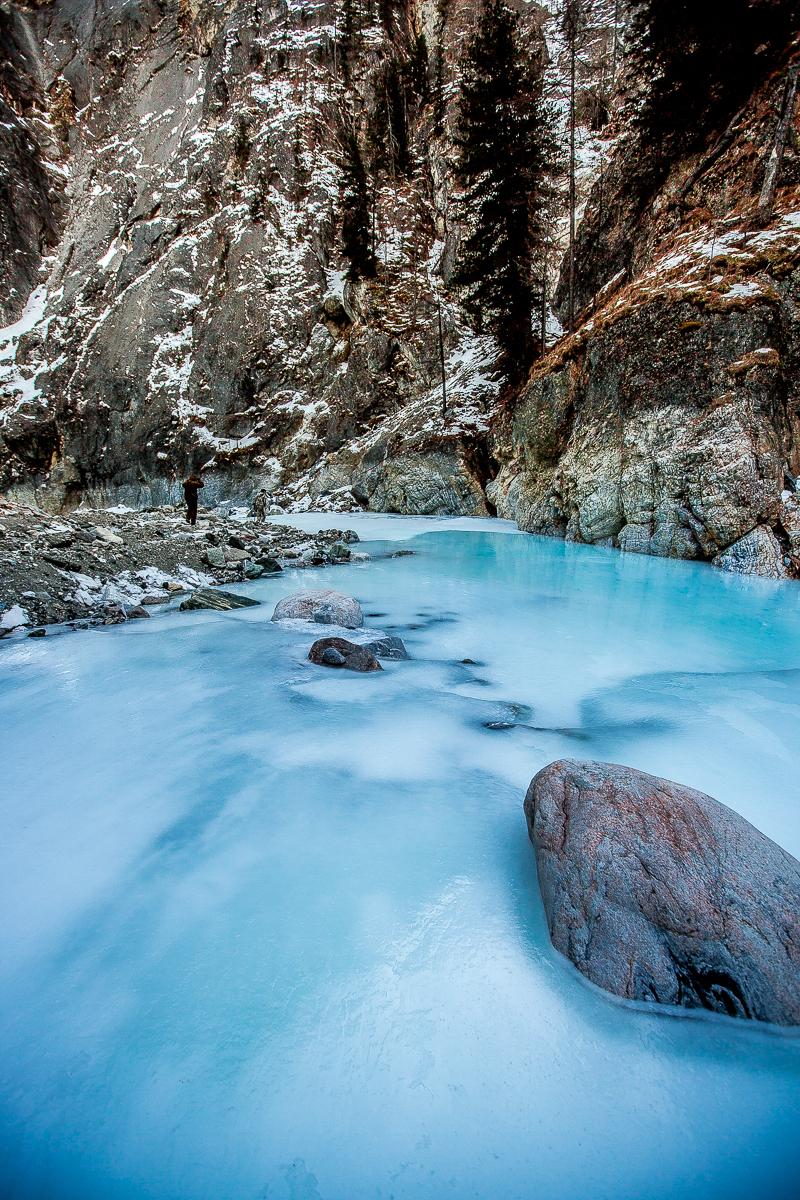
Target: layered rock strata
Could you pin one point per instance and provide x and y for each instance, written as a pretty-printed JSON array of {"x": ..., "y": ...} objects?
[{"x": 669, "y": 422}]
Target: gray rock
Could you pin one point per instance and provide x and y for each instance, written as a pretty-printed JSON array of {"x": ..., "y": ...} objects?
[
  {"x": 65, "y": 561},
  {"x": 137, "y": 612},
  {"x": 388, "y": 647},
  {"x": 214, "y": 556},
  {"x": 757, "y": 553},
  {"x": 402, "y": 553},
  {"x": 254, "y": 571},
  {"x": 216, "y": 599},
  {"x": 235, "y": 556},
  {"x": 270, "y": 565},
  {"x": 324, "y": 605},
  {"x": 37, "y": 633},
  {"x": 340, "y": 551},
  {"x": 324, "y": 652},
  {"x": 236, "y": 542},
  {"x": 657, "y": 892}
]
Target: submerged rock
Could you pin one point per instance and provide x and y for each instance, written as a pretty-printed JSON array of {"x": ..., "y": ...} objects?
[
  {"x": 216, "y": 599},
  {"x": 323, "y": 605},
  {"x": 657, "y": 892},
  {"x": 337, "y": 652},
  {"x": 389, "y": 647}
]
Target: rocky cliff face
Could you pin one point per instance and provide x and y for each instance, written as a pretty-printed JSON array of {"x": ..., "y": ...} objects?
[
  {"x": 669, "y": 423},
  {"x": 178, "y": 299},
  {"x": 184, "y": 204}
]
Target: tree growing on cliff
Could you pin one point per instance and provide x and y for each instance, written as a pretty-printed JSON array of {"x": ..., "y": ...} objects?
[
  {"x": 507, "y": 153},
  {"x": 356, "y": 234},
  {"x": 574, "y": 19}
]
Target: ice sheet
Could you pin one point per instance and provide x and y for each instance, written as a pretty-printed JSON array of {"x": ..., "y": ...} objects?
[{"x": 274, "y": 931}]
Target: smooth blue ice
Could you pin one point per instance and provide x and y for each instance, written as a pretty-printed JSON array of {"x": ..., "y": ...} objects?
[{"x": 273, "y": 932}]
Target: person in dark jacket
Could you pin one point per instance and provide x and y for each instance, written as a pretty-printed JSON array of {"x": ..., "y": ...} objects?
[
  {"x": 190, "y": 489},
  {"x": 260, "y": 505}
]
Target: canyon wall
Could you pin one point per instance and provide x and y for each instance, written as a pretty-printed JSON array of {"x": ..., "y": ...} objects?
[{"x": 176, "y": 296}]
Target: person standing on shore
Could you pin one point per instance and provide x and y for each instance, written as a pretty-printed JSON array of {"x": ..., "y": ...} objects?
[
  {"x": 190, "y": 489},
  {"x": 260, "y": 505}
]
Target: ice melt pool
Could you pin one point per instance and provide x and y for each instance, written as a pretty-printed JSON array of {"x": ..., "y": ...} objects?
[{"x": 272, "y": 932}]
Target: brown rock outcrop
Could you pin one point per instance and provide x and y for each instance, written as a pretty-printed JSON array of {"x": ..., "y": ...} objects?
[
  {"x": 338, "y": 652},
  {"x": 657, "y": 892}
]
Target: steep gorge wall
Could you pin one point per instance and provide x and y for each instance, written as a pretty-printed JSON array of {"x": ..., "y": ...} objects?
[
  {"x": 191, "y": 308},
  {"x": 669, "y": 424}
]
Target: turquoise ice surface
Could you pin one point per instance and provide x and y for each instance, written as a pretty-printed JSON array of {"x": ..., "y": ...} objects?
[{"x": 273, "y": 932}]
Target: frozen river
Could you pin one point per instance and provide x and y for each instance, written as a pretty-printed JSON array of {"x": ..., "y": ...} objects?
[{"x": 273, "y": 932}]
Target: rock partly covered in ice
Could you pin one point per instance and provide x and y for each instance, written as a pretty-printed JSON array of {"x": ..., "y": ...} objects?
[
  {"x": 323, "y": 605},
  {"x": 388, "y": 647},
  {"x": 337, "y": 652},
  {"x": 657, "y": 892},
  {"x": 216, "y": 599},
  {"x": 13, "y": 617}
]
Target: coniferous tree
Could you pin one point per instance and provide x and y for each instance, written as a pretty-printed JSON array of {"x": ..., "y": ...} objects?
[
  {"x": 348, "y": 38},
  {"x": 386, "y": 12},
  {"x": 439, "y": 100},
  {"x": 417, "y": 69},
  {"x": 574, "y": 19},
  {"x": 356, "y": 231},
  {"x": 389, "y": 129},
  {"x": 507, "y": 156}
]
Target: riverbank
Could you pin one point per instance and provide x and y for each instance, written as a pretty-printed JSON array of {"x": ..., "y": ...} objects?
[{"x": 85, "y": 565}]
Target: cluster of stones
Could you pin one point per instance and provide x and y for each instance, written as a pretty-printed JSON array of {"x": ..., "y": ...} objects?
[
  {"x": 62, "y": 569},
  {"x": 269, "y": 549}
]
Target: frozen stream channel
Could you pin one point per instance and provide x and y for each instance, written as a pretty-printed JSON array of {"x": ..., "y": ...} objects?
[{"x": 273, "y": 932}]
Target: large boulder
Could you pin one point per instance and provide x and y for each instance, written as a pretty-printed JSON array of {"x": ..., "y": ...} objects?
[
  {"x": 657, "y": 892},
  {"x": 323, "y": 605},
  {"x": 337, "y": 652}
]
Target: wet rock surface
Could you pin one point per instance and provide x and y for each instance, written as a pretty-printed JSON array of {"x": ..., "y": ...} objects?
[
  {"x": 323, "y": 605},
  {"x": 758, "y": 553},
  {"x": 657, "y": 892},
  {"x": 213, "y": 598},
  {"x": 338, "y": 652},
  {"x": 389, "y": 647}
]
